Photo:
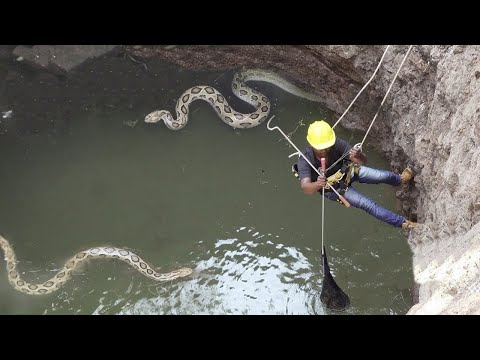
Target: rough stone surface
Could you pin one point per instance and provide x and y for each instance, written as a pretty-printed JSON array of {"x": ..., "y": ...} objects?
[
  {"x": 6, "y": 51},
  {"x": 60, "y": 59},
  {"x": 430, "y": 120}
]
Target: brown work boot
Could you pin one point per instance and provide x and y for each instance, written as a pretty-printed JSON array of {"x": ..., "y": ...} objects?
[
  {"x": 406, "y": 175},
  {"x": 409, "y": 224}
]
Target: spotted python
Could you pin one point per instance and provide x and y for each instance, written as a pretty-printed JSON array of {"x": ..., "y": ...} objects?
[
  {"x": 221, "y": 106},
  {"x": 65, "y": 273}
]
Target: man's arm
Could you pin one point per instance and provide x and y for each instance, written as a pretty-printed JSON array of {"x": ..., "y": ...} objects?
[
  {"x": 310, "y": 187},
  {"x": 305, "y": 174}
]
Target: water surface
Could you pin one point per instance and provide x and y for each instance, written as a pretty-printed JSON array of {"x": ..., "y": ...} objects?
[{"x": 221, "y": 201}]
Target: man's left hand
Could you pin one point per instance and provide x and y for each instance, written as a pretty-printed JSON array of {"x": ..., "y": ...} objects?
[
  {"x": 355, "y": 153},
  {"x": 357, "y": 156}
]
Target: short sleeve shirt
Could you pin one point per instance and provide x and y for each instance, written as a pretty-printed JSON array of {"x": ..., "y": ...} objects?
[{"x": 305, "y": 170}]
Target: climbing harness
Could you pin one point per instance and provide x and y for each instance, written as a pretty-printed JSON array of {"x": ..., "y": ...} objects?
[
  {"x": 344, "y": 201},
  {"x": 332, "y": 296},
  {"x": 354, "y": 168},
  {"x": 346, "y": 173}
]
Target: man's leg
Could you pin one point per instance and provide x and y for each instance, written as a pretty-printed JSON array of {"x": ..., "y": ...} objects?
[
  {"x": 363, "y": 202},
  {"x": 369, "y": 175}
]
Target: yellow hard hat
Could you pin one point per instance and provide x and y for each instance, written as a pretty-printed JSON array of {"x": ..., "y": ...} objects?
[{"x": 320, "y": 135}]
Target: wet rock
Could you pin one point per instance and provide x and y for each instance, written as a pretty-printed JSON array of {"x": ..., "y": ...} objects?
[{"x": 6, "y": 52}]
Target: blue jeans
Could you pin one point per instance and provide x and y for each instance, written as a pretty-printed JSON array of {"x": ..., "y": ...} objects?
[{"x": 371, "y": 176}]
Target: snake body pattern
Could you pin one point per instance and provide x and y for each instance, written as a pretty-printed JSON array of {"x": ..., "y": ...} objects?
[
  {"x": 221, "y": 106},
  {"x": 227, "y": 114},
  {"x": 65, "y": 273}
]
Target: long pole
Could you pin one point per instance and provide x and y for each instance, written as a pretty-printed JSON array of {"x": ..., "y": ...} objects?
[
  {"x": 342, "y": 199},
  {"x": 323, "y": 199}
]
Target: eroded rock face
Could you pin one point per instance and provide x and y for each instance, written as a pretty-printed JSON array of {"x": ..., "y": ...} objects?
[{"x": 431, "y": 120}]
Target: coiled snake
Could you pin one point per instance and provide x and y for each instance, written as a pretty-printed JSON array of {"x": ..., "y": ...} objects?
[
  {"x": 226, "y": 113},
  {"x": 221, "y": 106},
  {"x": 65, "y": 273}
]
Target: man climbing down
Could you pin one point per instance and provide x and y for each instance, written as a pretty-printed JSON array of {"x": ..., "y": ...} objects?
[{"x": 324, "y": 144}]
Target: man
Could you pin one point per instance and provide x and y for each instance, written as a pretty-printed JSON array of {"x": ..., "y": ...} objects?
[{"x": 324, "y": 144}]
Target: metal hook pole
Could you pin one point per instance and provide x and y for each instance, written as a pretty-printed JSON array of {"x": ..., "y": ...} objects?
[{"x": 342, "y": 199}]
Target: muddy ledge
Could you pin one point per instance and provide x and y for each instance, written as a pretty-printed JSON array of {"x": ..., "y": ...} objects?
[{"x": 431, "y": 119}]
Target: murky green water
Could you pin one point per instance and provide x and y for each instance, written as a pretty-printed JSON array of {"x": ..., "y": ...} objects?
[{"x": 218, "y": 200}]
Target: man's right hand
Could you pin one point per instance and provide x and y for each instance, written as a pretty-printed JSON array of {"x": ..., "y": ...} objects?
[
  {"x": 321, "y": 182},
  {"x": 310, "y": 187}
]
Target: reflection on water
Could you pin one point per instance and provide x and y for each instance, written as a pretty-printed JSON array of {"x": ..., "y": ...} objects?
[
  {"x": 218, "y": 200},
  {"x": 249, "y": 274}
]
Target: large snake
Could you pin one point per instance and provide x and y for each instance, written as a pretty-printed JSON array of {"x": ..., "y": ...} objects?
[
  {"x": 221, "y": 106},
  {"x": 65, "y": 273},
  {"x": 226, "y": 113}
]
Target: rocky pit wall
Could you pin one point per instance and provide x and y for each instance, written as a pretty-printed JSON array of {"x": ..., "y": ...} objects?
[{"x": 431, "y": 120}]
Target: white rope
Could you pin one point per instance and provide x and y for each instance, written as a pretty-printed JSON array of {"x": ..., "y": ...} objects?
[
  {"x": 299, "y": 152},
  {"x": 385, "y": 97},
  {"x": 357, "y": 145},
  {"x": 323, "y": 214},
  {"x": 364, "y": 86},
  {"x": 322, "y": 161},
  {"x": 348, "y": 108}
]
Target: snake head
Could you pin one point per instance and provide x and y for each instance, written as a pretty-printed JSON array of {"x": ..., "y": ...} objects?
[{"x": 158, "y": 115}]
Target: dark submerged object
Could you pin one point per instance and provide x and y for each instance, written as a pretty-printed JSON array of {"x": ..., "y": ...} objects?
[{"x": 332, "y": 296}]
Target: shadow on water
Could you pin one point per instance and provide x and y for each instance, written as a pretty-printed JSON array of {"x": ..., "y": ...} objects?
[{"x": 218, "y": 200}]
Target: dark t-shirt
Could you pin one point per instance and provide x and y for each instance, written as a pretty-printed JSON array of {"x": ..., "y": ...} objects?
[{"x": 305, "y": 170}]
